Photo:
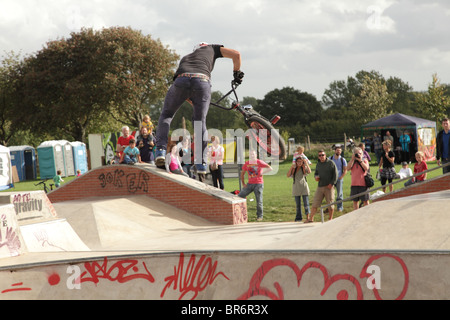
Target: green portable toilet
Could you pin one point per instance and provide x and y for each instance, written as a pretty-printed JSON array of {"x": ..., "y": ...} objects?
[{"x": 51, "y": 159}]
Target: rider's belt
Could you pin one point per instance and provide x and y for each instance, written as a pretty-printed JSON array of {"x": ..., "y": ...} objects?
[{"x": 193, "y": 75}]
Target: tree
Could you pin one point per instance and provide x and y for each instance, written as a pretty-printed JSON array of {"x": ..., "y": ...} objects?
[
  {"x": 434, "y": 102},
  {"x": 293, "y": 106},
  {"x": 94, "y": 75},
  {"x": 373, "y": 102},
  {"x": 9, "y": 118}
]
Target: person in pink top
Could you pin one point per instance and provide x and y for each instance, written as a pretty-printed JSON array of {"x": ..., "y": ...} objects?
[
  {"x": 255, "y": 170},
  {"x": 358, "y": 166},
  {"x": 172, "y": 161}
]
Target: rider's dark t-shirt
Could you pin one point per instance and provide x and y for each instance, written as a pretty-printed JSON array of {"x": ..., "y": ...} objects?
[{"x": 201, "y": 60}]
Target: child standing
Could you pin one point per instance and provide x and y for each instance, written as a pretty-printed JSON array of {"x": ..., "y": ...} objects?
[{"x": 58, "y": 179}]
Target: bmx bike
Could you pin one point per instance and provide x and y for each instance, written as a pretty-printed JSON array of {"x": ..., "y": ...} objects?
[
  {"x": 43, "y": 182},
  {"x": 257, "y": 122}
]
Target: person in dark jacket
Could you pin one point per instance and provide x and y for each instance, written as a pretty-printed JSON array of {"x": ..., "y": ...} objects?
[
  {"x": 326, "y": 174},
  {"x": 443, "y": 146}
]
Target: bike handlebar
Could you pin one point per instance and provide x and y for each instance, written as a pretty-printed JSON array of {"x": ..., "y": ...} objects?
[{"x": 234, "y": 85}]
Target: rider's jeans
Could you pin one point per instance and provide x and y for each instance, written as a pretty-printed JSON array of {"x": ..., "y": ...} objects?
[{"x": 199, "y": 92}]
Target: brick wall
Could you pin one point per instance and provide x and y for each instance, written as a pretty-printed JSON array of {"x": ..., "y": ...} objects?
[
  {"x": 440, "y": 183},
  {"x": 184, "y": 193}
]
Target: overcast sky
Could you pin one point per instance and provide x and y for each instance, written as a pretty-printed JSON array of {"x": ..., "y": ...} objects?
[{"x": 298, "y": 43}]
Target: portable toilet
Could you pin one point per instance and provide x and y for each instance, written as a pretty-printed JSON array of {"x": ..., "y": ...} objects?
[
  {"x": 68, "y": 157},
  {"x": 24, "y": 159},
  {"x": 51, "y": 159},
  {"x": 80, "y": 156},
  {"x": 6, "y": 178}
]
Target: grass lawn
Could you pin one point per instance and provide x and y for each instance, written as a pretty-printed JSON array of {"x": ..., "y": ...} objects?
[
  {"x": 279, "y": 205},
  {"x": 30, "y": 185}
]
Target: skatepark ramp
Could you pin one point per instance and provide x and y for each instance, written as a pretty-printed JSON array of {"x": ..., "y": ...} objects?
[
  {"x": 132, "y": 246},
  {"x": 192, "y": 196}
]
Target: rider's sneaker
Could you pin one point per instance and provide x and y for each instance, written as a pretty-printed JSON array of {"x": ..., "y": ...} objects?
[
  {"x": 160, "y": 158},
  {"x": 201, "y": 168}
]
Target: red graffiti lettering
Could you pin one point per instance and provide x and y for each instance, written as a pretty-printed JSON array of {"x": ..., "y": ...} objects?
[
  {"x": 121, "y": 271},
  {"x": 15, "y": 285},
  {"x": 369, "y": 262},
  {"x": 256, "y": 289},
  {"x": 196, "y": 277}
]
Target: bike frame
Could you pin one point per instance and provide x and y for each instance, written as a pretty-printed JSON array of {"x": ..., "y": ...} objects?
[
  {"x": 246, "y": 112},
  {"x": 235, "y": 105}
]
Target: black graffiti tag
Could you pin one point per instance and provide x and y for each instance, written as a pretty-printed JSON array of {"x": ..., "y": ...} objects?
[{"x": 133, "y": 181}]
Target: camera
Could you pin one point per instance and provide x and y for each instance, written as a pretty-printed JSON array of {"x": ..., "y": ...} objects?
[{"x": 357, "y": 155}]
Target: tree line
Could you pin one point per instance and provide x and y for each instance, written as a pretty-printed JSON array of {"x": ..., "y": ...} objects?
[{"x": 98, "y": 81}]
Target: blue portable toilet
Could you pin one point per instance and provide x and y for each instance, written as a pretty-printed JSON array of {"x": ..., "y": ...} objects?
[
  {"x": 51, "y": 159},
  {"x": 80, "y": 156},
  {"x": 24, "y": 159}
]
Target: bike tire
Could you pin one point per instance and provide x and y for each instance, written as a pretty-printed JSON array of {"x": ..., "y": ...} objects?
[{"x": 258, "y": 122}]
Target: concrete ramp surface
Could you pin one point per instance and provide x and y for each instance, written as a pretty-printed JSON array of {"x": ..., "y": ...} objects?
[
  {"x": 56, "y": 235},
  {"x": 137, "y": 247}
]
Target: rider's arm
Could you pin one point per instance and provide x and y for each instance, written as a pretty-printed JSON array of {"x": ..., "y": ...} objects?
[{"x": 234, "y": 55}]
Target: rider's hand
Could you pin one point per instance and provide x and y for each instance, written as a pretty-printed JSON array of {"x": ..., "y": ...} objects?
[{"x": 238, "y": 76}]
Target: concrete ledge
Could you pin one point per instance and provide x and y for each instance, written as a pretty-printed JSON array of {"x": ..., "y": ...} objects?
[
  {"x": 441, "y": 183},
  {"x": 197, "y": 198}
]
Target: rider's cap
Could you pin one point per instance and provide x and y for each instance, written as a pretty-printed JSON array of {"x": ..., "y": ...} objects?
[{"x": 201, "y": 44}]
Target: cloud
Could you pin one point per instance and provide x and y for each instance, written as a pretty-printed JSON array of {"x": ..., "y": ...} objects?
[{"x": 298, "y": 43}]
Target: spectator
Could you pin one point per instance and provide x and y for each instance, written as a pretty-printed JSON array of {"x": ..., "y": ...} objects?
[
  {"x": 172, "y": 161},
  {"x": 131, "y": 154},
  {"x": 443, "y": 146},
  {"x": 215, "y": 159},
  {"x": 405, "y": 171},
  {"x": 58, "y": 179},
  {"x": 389, "y": 137},
  {"x": 377, "y": 147},
  {"x": 419, "y": 166},
  {"x": 254, "y": 168},
  {"x": 145, "y": 143},
  {"x": 326, "y": 175},
  {"x": 366, "y": 155},
  {"x": 405, "y": 140},
  {"x": 185, "y": 154},
  {"x": 147, "y": 123},
  {"x": 300, "y": 188},
  {"x": 124, "y": 140},
  {"x": 341, "y": 165},
  {"x": 300, "y": 153},
  {"x": 358, "y": 166},
  {"x": 387, "y": 166}
]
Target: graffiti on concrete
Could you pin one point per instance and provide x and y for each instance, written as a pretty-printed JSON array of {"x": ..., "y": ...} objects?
[
  {"x": 132, "y": 181},
  {"x": 25, "y": 203},
  {"x": 189, "y": 277},
  {"x": 194, "y": 278},
  {"x": 257, "y": 289}
]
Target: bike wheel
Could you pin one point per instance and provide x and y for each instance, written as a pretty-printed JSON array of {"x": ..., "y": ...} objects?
[{"x": 259, "y": 123}]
